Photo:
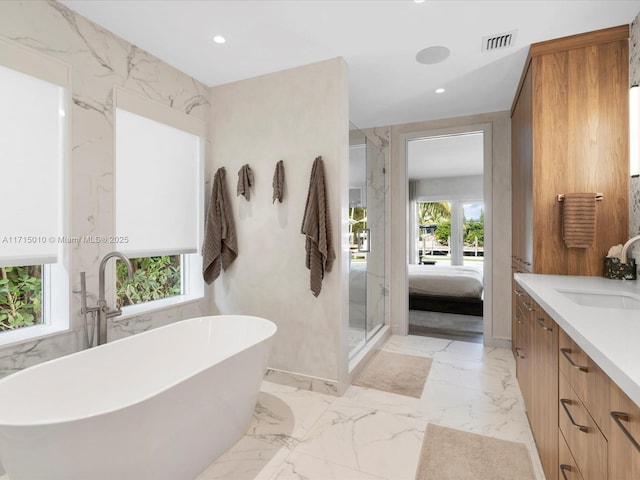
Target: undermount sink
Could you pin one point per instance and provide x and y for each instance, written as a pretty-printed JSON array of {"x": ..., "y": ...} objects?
[{"x": 622, "y": 301}]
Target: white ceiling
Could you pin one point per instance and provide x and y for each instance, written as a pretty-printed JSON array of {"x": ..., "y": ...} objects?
[{"x": 378, "y": 39}]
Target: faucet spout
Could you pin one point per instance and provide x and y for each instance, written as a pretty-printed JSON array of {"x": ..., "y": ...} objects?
[
  {"x": 105, "y": 312},
  {"x": 631, "y": 241}
]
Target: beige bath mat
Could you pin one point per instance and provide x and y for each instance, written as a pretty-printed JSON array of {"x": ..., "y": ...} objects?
[
  {"x": 452, "y": 454},
  {"x": 395, "y": 373}
]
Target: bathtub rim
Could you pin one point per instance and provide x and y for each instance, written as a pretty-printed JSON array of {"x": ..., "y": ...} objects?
[{"x": 62, "y": 420}]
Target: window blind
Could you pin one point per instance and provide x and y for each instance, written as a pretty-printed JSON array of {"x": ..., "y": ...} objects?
[
  {"x": 158, "y": 192},
  {"x": 33, "y": 130}
]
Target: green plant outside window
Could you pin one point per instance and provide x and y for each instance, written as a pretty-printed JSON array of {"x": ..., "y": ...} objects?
[
  {"x": 154, "y": 278},
  {"x": 20, "y": 296}
]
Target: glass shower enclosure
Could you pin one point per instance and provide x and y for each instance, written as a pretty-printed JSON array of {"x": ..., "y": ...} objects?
[{"x": 367, "y": 190}]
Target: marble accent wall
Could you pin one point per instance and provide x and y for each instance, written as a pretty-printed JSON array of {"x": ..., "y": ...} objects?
[
  {"x": 294, "y": 115},
  {"x": 99, "y": 60},
  {"x": 378, "y": 155},
  {"x": 634, "y": 79}
]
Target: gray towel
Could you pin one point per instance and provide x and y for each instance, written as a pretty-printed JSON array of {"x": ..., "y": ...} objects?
[
  {"x": 278, "y": 182},
  {"x": 220, "y": 246},
  {"x": 316, "y": 226},
  {"x": 245, "y": 181}
]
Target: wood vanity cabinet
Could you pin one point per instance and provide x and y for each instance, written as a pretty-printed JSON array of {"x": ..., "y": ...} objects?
[
  {"x": 584, "y": 426},
  {"x": 570, "y": 133},
  {"x": 583, "y": 398},
  {"x": 536, "y": 351},
  {"x": 624, "y": 436},
  {"x": 545, "y": 367}
]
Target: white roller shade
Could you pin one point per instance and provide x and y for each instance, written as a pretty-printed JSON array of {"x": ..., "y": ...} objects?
[
  {"x": 157, "y": 187},
  {"x": 32, "y": 150}
]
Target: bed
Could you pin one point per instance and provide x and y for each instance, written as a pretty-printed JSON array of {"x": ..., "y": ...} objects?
[{"x": 450, "y": 289}]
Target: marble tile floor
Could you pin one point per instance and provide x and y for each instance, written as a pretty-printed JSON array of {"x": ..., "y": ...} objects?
[
  {"x": 369, "y": 434},
  {"x": 372, "y": 435}
]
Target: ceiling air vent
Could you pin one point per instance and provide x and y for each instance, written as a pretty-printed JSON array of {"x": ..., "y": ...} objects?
[{"x": 495, "y": 42}]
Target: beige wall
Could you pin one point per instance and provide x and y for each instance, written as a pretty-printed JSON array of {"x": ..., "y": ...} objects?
[
  {"x": 497, "y": 211},
  {"x": 294, "y": 115}
]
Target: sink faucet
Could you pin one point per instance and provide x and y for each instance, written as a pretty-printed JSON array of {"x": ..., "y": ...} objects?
[
  {"x": 105, "y": 312},
  {"x": 623, "y": 256}
]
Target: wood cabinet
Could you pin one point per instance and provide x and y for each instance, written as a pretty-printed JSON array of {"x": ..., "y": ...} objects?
[
  {"x": 536, "y": 352},
  {"x": 587, "y": 444},
  {"x": 545, "y": 413},
  {"x": 624, "y": 436},
  {"x": 569, "y": 124},
  {"x": 584, "y": 426},
  {"x": 569, "y": 133},
  {"x": 568, "y": 467},
  {"x": 590, "y": 383}
]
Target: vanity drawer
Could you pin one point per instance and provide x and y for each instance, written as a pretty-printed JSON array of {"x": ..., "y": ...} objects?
[
  {"x": 585, "y": 441},
  {"x": 524, "y": 304},
  {"x": 624, "y": 438},
  {"x": 588, "y": 381},
  {"x": 567, "y": 465}
]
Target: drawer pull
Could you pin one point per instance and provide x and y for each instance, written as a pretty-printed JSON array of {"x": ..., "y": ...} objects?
[
  {"x": 617, "y": 416},
  {"x": 528, "y": 306},
  {"x": 544, "y": 327},
  {"x": 564, "y": 467},
  {"x": 518, "y": 292},
  {"x": 564, "y": 402},
  {"x": 566, "y": 352},
  {"x": 517, "y": 350}
]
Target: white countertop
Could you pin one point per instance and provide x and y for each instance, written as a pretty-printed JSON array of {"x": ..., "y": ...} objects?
[{"x": 610, "y": 336}]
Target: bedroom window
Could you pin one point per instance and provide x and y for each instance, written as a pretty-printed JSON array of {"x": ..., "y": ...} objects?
[
  {"x": 473, "y": 234},
  {"x": 450, "y": 233},
  {"x": 434, "y": 233}
]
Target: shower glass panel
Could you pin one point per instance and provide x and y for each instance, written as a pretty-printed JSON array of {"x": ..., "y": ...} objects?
[{"x": 367, "y": 189}]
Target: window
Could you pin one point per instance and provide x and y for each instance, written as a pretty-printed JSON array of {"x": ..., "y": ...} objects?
[
  {"x": 473, "y": 231},
  {"x": 158, "y": 202},
  {"x": 155, "y": 278},
  {"x": 450, "y": 233},
  {"x": 34, "y": 284}
]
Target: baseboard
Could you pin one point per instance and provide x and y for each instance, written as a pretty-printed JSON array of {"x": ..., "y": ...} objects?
[{"x": 303, "y": 382}]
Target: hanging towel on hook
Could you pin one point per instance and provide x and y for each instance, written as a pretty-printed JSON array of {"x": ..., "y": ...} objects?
[
  {"x": 579, "y": 219},
  {"x": 220, "y": 246},
  {"x": 316, "y": 226},
  {"x": 245, "y": 181},
  {"x": 278, "y": 182}
]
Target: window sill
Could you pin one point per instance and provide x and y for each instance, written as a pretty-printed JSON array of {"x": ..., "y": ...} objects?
[
  {"x": 157, "y": 306},
  {"x": 11, "y": 338}
]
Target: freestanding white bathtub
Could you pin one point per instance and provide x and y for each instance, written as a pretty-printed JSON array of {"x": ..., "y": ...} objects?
[{"x": 163, "y": 404}]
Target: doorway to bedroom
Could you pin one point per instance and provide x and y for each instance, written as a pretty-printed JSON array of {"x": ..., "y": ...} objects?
[{"x": 446, "y": 236}]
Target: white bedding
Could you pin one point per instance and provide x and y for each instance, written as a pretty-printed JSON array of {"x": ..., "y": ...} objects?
[{"x": 450, "y": 281}]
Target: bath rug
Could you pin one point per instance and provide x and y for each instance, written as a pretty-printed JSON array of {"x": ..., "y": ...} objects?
[
  {"x": 453, "y": 454},
  {"x": 395, "y": 373}
]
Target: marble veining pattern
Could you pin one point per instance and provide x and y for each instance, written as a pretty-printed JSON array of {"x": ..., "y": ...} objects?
[
  {"x": 634, "y": 79},
  {"x": 369, "y": 434},
  {"x": 634, "y": 204},
  {"x": 634, "y": 52},
  {"x": 99, "y": 60}
]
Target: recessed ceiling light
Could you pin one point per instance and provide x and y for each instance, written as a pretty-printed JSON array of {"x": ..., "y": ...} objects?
[
  {"x": 418, "y": 1},
  {"x": 219, "y": 39},
  {"x": 439, "y": 90},
  {"x": 432, "y": 55}
]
